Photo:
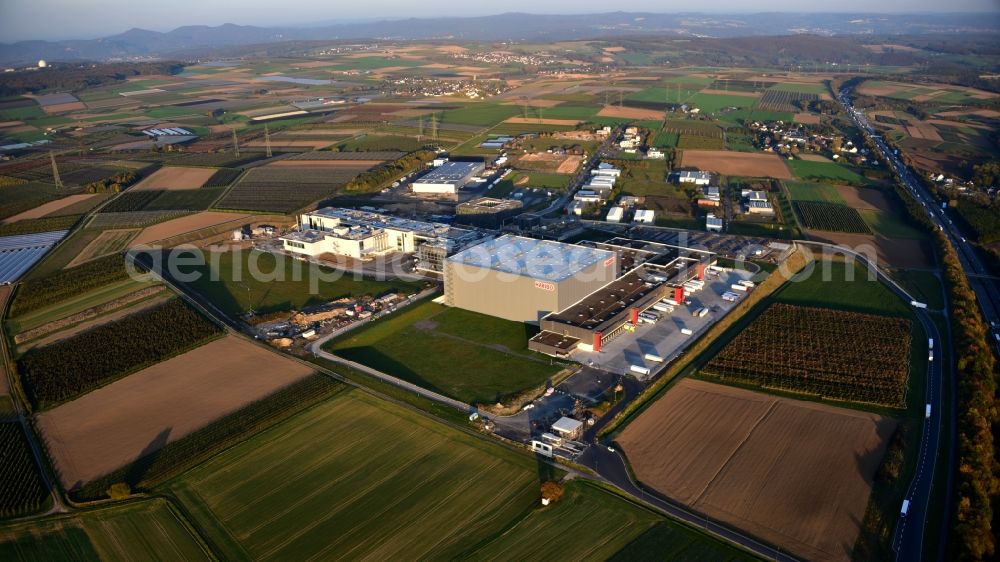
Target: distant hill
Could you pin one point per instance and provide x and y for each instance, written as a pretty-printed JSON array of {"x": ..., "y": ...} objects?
[{"x": 503, "y": 27}]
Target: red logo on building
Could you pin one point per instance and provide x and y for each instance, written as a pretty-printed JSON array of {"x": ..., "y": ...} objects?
[
  {"x": 545, "y": 286},
  {"x": 609, "y": 261}
]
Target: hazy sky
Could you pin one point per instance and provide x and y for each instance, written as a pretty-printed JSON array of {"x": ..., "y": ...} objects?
[{"x": 85, "y": 19}]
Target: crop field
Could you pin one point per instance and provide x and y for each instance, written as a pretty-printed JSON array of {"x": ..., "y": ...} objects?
[
  {"x": 713, "y": 103},
  {"x": 107, "y": 242},
  {"x": 740, "y": 85},
  {"x": 54, "y": 208},
  {"x": 754, "y": 461},
  {"x": 176, "y": 177},
  {"x": 326, "y": 155},
  {"x": 142, "y": 530},
  {"x": 693, "y": 128},
  {"x": 380, "y": 143},
  {"x": 784, "y": 100},
  {"x": 357, "y": 460},
  {"x": 743, "y": 164},
  {"x": 132, "y": 219},
  {"x": 825, "y": 171},
  {"x": 630, "y": 113},
  {"x": 59, "y": 372},
  {"x": 223, "y": 177},
  {"x": 832, "y": 354},
  {"x": 187, "y": 224},
  {"x": 820, "y": 215},
  {"x": 449, "y": 350},
  {"x": 480, "y": 114},
  {"x": 284, "y": 283},
  {"x": 21, "y": 488},
  {"x": 608, "y": 522},
  {"x": 136, "y": 416},
  {"x": 698, "y": 142},
  {"x": 284, "y": 190},
  {"x": 42, "y": 292}
]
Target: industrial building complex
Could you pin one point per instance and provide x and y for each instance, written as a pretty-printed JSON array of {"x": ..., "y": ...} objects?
[
  {"x": 362, "y": 235},
  {"x": 654, "y": 272},
  {"x": 447, "y": 178},
  {"x": 524, "y": 279}
]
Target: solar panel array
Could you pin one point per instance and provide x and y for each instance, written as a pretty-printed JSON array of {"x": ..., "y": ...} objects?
[{"x": 18, "y": 253}]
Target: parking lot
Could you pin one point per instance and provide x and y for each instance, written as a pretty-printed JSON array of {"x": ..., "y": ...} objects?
[{"x": 664, "y": 338}]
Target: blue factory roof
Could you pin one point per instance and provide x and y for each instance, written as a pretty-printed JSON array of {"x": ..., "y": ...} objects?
[{"x": 544, "y": 260}]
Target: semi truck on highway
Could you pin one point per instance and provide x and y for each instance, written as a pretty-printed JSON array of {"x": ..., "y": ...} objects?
[
  {"x": 927, "y": 411},
  {"x": 905, "y": 508}
]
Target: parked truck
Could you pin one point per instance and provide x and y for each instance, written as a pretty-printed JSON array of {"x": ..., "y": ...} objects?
[
  {"x": 653, "y": 357},
  {"x": 639, "y": 369}
]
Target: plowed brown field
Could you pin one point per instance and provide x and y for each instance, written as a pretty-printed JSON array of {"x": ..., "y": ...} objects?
[
  {"x": 736, "y": 163},
  {"x": 797, "y": 474},
  {"x": 176, "y": 177},
  {"x": 114, "y": 425}
]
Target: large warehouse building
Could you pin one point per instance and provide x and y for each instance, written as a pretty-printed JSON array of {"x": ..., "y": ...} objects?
[
  {"x": 447, "y": 178},
  {"x": 524, "y": 279},
  {"x": 656, "y": 271}
]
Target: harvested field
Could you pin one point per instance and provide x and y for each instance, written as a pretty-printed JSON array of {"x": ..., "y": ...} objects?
[
  {"x": 537, "y": 121},
  {"x": 806, "y": 118},
  {"x": 899, "y": 252},
  {"x": 865, "y": 198},
  {"x": 115, "y": 425},
  {"x": 50, "y": 207},
  {"x": 754, "y": 461},
  {"x": 630, "y": 113},
  {"x": 176, "y": 177},
  {"x": 185, "y": 224},
  {"x": 61, "y": 107},
  {"x": 736, "y": 163},
  {"x": 107, "y": 242},
  {"x": 923, "y": 130}
]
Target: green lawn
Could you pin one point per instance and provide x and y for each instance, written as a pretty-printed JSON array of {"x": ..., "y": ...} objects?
[
  {"x": 482, "y": 114},
  {"x": 144, "y": 530},
  {"x": 283, "y": 283},
  {"x": 890, "y": 225},
  {"x": 923, "y": 285},
  {"x": 828, "y": 286},
  {"x": 669, "y": 541},
  {"x": 825, "y": 171},
  {"x": 805, "y": 191},
  {"x": 596, "y": 524},
  {"x": 468, "y": 356},
  {"x": 356, "y": 477}
]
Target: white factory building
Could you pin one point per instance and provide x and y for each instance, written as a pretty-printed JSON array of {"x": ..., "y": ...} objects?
[
  {"x": 363, "y": 235},
  {"x": 448, "y": 178},
  {"x": 697, "y": 177}
]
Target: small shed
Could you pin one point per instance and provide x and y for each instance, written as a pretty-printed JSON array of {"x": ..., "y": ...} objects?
[{"x": 567, "y": 428}]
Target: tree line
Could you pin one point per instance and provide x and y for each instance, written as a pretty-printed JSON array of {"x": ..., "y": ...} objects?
[
  {"x": 376, "y": 178},
  {"x": 78, "y": 77},
  {"x": 37, "y": 293},
  {"x": 976, "y": 483},
  {"x": 74, "y": 366}
]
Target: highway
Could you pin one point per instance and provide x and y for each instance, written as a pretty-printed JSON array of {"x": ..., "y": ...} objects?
[{"x": 912, "y": 527}]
